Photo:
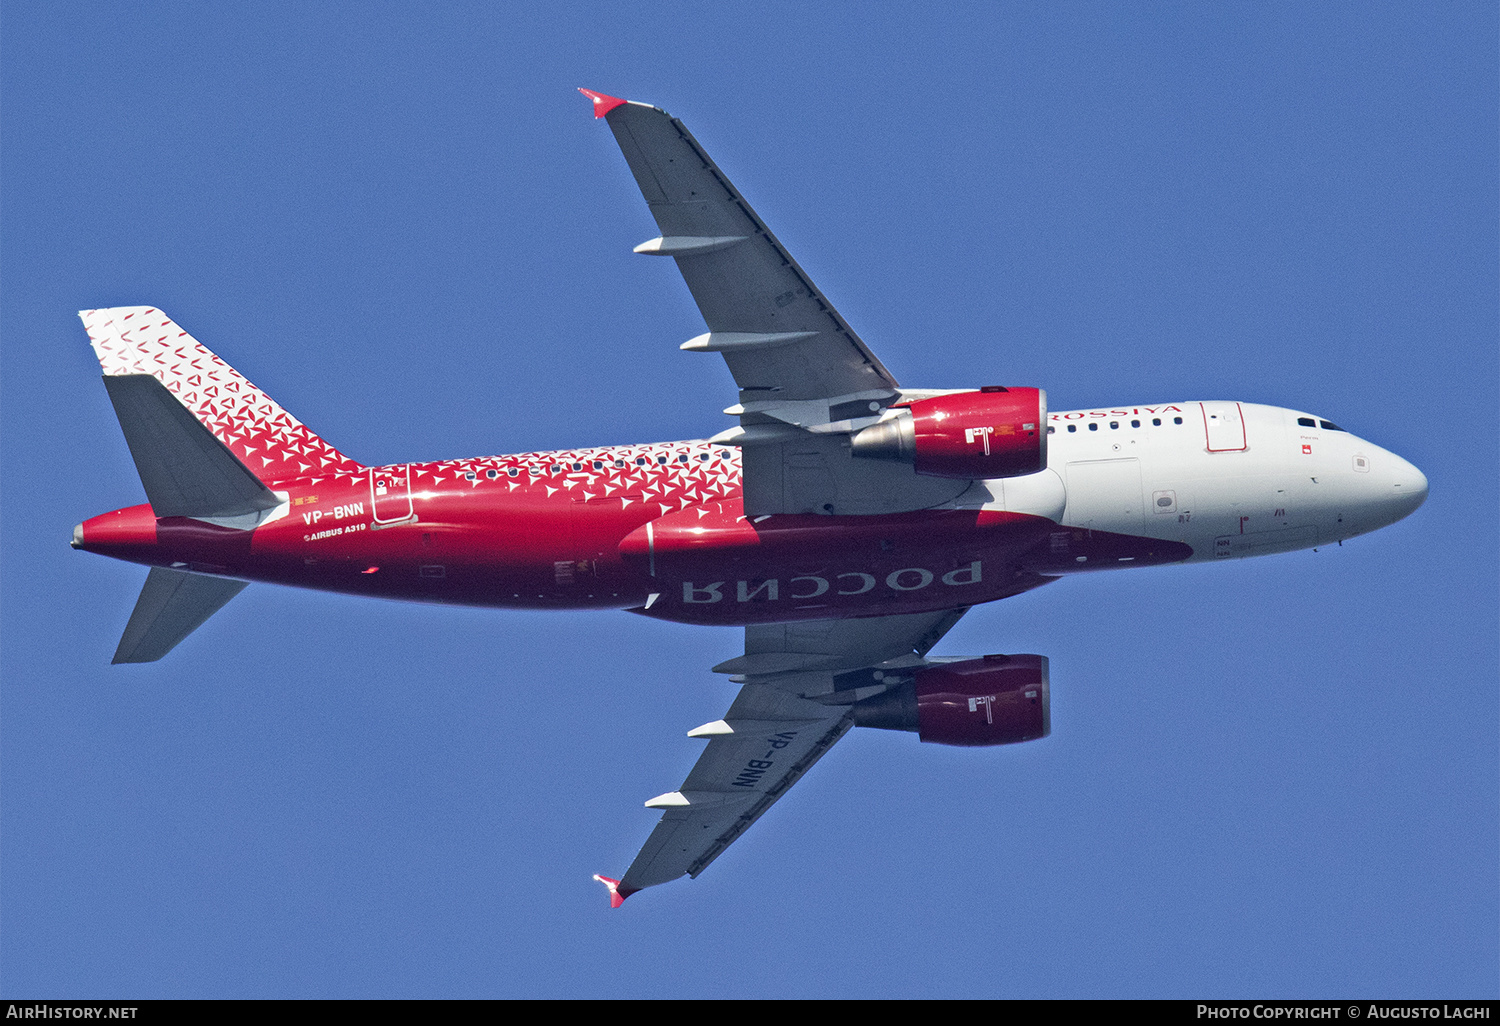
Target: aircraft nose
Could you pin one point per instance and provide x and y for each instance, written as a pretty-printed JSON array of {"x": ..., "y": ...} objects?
[{"x": 1408, "y": 487}]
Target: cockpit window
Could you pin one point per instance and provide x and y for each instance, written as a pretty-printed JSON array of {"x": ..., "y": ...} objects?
[
  {"x": 1307, "y": 422},
  {"x": 1328, "y": 425}
]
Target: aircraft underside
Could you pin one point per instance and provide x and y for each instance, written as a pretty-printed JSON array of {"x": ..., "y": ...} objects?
[{"x": 846, "y": 523}]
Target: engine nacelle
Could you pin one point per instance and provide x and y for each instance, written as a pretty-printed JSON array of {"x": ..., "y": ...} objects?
[
  {"x": 996, "y": 700},
  {"x": 995, "y": 432}
]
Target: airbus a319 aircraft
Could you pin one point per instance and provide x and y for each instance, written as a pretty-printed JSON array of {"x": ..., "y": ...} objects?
[{"x": 846, "y": 522}]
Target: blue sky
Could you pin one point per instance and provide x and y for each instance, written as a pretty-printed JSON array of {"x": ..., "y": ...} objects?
[{"x": 1272, "y": 777}]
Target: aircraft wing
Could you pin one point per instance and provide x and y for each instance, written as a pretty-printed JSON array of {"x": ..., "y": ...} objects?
[
  {"x": 799, "y": 681},
  {"x": 777, "y": 332},
  {"x": 806, "y": 380}
]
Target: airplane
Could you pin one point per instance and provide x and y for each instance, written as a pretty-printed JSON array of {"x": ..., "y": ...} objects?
[{"x": 846, "y": 522}]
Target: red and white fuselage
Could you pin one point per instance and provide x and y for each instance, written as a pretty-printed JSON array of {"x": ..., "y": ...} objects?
[
  {"x": 880, "y": 513},
  {"x": 660, "y": 528}
]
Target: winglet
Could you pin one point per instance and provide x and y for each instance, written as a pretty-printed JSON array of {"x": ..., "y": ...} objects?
[
  {"x": 617, "y": 894},
  {"x": 602, "y": 106}
]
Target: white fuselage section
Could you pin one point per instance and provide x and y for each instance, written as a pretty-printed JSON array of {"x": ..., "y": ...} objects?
[{"x": 1229, "y": 479}]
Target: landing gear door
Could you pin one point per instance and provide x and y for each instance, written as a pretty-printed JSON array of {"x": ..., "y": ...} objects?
[
  {"x": 390, "y": 494},
  {"x": 1224, "y": 426}
]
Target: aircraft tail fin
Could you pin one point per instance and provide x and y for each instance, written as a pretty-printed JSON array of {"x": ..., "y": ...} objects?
[
  {"x": 172, "y": 605},
  {"x": 271, "y": 443}
]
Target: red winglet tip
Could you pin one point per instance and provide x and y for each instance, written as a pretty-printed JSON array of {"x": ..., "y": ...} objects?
[
  {"x": 617, "y": 894},
  {"x": 602, "y": 106}
]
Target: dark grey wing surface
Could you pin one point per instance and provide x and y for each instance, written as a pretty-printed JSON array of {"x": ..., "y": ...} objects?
[
  {"x": 172, "y": 605},
  {"x": 186, "y": 471},
  {"x": 806, "y": 379},
  {"x": 770, "y": 738},
  {"x": 780, "y": 336},
  {"x": 794, "y": 704}
]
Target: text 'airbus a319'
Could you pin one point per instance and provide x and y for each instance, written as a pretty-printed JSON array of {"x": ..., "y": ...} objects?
[{"x": 846, "y": 523}]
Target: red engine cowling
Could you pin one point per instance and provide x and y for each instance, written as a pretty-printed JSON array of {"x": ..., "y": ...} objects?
[
  {"x": 995, "y": 432},
  {"x": 996, "y": 700}
]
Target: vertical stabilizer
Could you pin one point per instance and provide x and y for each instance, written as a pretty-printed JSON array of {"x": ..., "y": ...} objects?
[
  {"x": 173, "y": 604},
  {"x": 268, "y": 440}
]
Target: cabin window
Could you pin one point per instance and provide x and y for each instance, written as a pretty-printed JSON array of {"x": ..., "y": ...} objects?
[
  {"x": 514, "y": 472},
  {"x": 1072, "y": 428},
  {"x": 619, "y": 463},
  {"x": 1135, "y": 423},
  {"x": 1114, "y": 425},
  {"x": 1176, "y": 420},
  {"x": 661, "y": 461},
  {"x": 640, "y": 461},
  {"x": 1156, "y": 422},
  {"x": 492, "y": 474},
  {"x": 682, "y": 459},
  {"x": 470, "y": 476},
  {"x": 598, "y": 464},
  {"x": 1093, "y": 427},
  {"x": 703, "y": 457}
]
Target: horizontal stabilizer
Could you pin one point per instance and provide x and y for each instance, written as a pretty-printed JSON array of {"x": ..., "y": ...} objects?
[
  {"x": 186, "y": 471},
  {"x": 173, "y": 604}
]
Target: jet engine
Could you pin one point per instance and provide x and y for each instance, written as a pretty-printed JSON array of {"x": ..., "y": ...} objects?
[
  {"x": 995, "y": 432},
  {"x": 995, "y": 700}
]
